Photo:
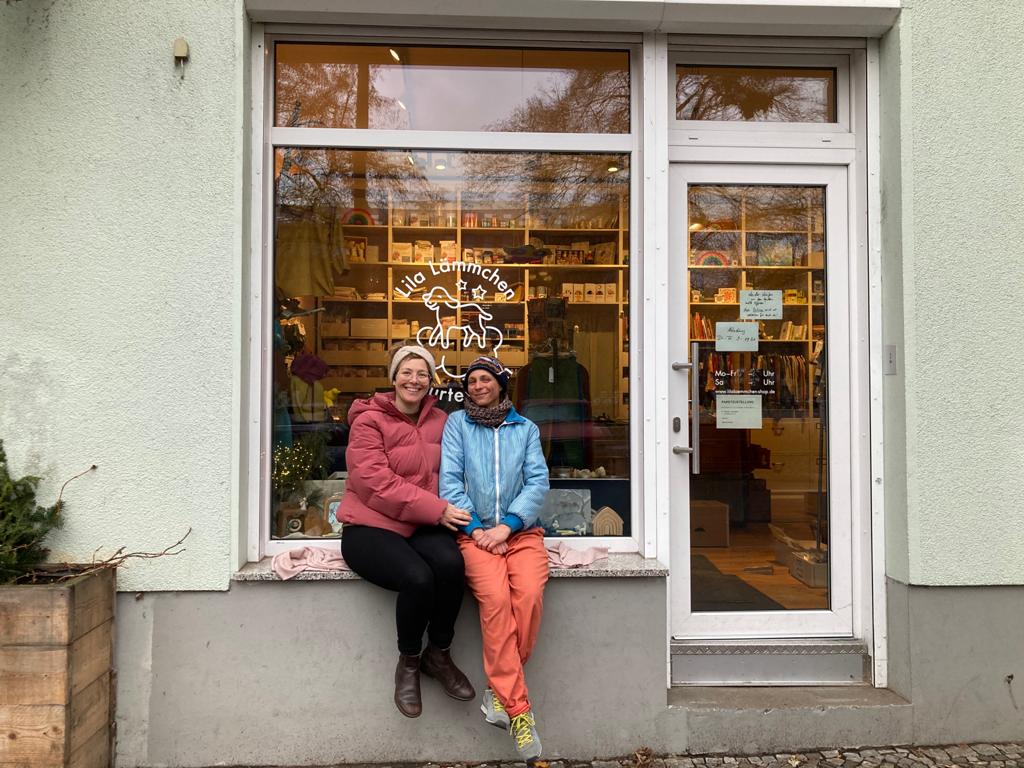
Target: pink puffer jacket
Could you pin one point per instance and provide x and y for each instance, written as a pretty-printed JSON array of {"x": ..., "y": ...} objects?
[{"x": 392, "y": 465}]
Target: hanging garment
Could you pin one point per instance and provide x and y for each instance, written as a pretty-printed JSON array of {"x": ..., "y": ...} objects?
[
  {"x": 308, "y": 250},
  {"x": 554, "y": 393}
]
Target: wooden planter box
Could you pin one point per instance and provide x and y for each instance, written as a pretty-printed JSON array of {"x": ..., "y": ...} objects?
[{"x": 56, "y": 677}]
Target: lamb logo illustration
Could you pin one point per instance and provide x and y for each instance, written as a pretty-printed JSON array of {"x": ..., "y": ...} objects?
[{"x": 475, "y": 330}]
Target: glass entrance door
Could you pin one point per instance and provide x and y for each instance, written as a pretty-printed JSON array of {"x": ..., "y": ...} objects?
[{"x": 759, "y": 393}]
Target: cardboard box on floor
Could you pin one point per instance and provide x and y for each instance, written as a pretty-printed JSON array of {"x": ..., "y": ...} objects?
[
  {"x": 786, "y": 546},
  {"x": 709, "y": 523}
]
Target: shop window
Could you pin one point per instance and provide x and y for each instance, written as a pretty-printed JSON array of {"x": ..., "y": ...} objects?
[
  {"x": 524, "y": 255},
  {"x": 435, "y": 88},
  {"x": 755, "y": 94}
]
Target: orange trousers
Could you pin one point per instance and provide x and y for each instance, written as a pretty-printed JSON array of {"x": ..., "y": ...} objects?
[{"x": 510, "y": 591}]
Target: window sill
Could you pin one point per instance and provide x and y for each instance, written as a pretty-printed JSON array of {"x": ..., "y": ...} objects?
[{"x": 616, "y": 565}]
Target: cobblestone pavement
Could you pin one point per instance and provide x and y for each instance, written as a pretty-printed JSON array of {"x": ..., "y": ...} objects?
[{"x": 949, "y": 756}]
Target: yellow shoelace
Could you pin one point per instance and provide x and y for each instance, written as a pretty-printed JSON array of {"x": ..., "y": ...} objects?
[
  {"x": 496, "y": 704},
  {"x": 520, "y": 729}
]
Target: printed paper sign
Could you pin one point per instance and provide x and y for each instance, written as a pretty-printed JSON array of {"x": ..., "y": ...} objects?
[
  {"x": 738, "y": 411},
  {"x": 736, "y": 337},
  {"x": 761, "y": 305}
]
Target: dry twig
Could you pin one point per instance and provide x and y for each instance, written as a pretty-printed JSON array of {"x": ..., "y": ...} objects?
[{"x": 120, "y": 556}]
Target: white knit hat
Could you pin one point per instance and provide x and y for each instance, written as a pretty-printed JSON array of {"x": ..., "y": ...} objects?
[{"x": 412, "y": 349}]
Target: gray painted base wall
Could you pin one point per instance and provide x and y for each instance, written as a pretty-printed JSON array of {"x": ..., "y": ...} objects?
[
  {"x": 951, "y": 651},
  {"x": 301, "y": 674}
]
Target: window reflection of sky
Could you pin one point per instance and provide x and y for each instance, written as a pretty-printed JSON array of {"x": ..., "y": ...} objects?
[
  {"x": 456, "y": 98},
  {"x": 467, "y": 89}
]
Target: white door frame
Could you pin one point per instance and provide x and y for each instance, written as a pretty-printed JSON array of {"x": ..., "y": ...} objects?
[{"x": 841, "y": 265}]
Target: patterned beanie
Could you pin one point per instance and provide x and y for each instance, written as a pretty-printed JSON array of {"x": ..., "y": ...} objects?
[{"x": 493, "y": 366}]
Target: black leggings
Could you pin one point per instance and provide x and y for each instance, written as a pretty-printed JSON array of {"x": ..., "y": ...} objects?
[{"x": 426, "y": 570}]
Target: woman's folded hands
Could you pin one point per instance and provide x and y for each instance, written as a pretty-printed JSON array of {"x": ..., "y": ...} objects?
[{"x": 493, "y": 540}]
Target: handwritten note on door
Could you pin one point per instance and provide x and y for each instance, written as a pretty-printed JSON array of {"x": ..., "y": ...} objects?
[
  {"x": 735, "y": 337},
  {"x": 738, "y": 411},
  {"x": 761, "y": 305}
]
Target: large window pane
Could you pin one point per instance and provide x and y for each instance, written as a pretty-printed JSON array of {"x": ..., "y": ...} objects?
[
  {"x": 326, "y": 85},
  {"x": 756, "y": 94},
  {"x": 519, "y": 254},
  {"x": 760, "y": 504}
]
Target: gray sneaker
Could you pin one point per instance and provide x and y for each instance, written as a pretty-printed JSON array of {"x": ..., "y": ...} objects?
[
  {"x": 524, "y": 733},
  {"x": 494, "y": 710}
]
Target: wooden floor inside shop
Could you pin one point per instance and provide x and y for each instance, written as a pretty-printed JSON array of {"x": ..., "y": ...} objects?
[{"x": 752, "y": 547}]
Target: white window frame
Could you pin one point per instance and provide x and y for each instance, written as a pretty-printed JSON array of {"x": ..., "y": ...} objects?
[
  {"x": 267, "y": 137},
  {"x": 696, "y": 58},
  {"x": 857, "y": 146}
]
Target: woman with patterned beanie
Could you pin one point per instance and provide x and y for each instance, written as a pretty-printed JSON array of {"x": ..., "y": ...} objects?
[{"x": 492, "y": 466}]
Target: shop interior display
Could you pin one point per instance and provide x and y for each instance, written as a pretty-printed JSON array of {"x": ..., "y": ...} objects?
[
  {"x": 760, "y": 510},
  {"x": 544, "y": 287}
]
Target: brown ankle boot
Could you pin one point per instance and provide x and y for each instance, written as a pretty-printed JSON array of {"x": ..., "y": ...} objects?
[
  {"x": 407, "y": 686},
  {"x": 438, "y": 664}
]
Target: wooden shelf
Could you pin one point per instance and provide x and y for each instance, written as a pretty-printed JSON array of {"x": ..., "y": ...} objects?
[
  {"x": 388, "y": 275},
  {"x": 573, "y": 230}
]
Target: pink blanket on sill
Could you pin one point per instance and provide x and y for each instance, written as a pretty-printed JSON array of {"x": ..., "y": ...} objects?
[
  {"x": 561, "y": 555},
  {"x": 289, "y": 564}
]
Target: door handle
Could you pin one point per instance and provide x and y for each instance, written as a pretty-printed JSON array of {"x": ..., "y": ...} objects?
[
  {"x": 695, "y": 408},
  {"x": 682, "y": 366},
  {"x": 678, "y": 449}
]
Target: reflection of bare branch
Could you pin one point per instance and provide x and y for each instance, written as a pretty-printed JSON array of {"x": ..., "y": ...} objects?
[
  {"x": 589, "y": 101},
  {"x": 708, "y": 95}
]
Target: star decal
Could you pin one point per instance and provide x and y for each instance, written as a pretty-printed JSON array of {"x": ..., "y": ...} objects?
[
  {"x": 479, "y": 293},
  {"x": 461, "y": 285}
]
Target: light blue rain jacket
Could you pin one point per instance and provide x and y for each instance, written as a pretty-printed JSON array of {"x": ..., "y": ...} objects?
[{"x": 497, "y": 474}]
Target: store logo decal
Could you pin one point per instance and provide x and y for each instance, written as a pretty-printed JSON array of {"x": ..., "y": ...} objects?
[{"x": 474, "y": 331}]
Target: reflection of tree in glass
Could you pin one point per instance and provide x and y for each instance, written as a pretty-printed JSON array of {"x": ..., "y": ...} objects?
[
  {"x": 314, "y": 178},
  {"x": 572, "y": 184},
  {"x": 778, "y": 208},
  {"x": 709, "y": 93},
  {"x": 331, "y": 95},
  {"x": 716, "y": 207},
  {"x": 587, "y": 101}
]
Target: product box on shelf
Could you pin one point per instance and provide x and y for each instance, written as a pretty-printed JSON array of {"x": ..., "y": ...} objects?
[
  {"x": 369, "y": 326},
  {"x": 334, "y": 328},
  {"x": 610, "y": 292},
  {"x": 401, "y": 253},
  {"x": 423, "y": 252}
]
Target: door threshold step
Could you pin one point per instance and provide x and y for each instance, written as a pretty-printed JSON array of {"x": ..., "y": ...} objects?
[{"x": 770, "y": 662}]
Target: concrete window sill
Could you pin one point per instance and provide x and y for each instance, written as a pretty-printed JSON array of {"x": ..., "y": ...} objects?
[{"x": 617, "y": 565}]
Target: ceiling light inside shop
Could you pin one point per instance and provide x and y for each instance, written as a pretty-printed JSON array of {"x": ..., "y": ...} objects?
[
  {"x": 394, "y": 55},
  {"x": 411, "y": 161},
  {"x": 613, "y": 168},
  {"x": 695, "y": 226},
  {"x": 440, "y": 165},
  {"x": 401, "y": 104}
]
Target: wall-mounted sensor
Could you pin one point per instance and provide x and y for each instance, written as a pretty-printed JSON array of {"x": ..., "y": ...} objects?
[{"x": 180, "y": 50}]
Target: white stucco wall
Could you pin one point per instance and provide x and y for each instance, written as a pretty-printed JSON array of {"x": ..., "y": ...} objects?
[
  {"x": 120, "y": 246},
  {"x": 121, "y": 241},
  {"x": 962, "y": 187}
]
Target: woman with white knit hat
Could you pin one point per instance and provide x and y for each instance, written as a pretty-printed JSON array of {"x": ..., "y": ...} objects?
[{"x": 398, "y": 533}]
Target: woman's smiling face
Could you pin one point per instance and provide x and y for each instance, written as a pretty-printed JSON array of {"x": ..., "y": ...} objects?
[
  {"x": 483, "y": 389},
  {"x": 412, "y": 382}
]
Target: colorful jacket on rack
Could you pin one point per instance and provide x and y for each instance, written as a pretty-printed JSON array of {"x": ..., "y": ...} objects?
[
  {"x": 497, "y": 474},
  {"x": 393, "y": 463}
]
